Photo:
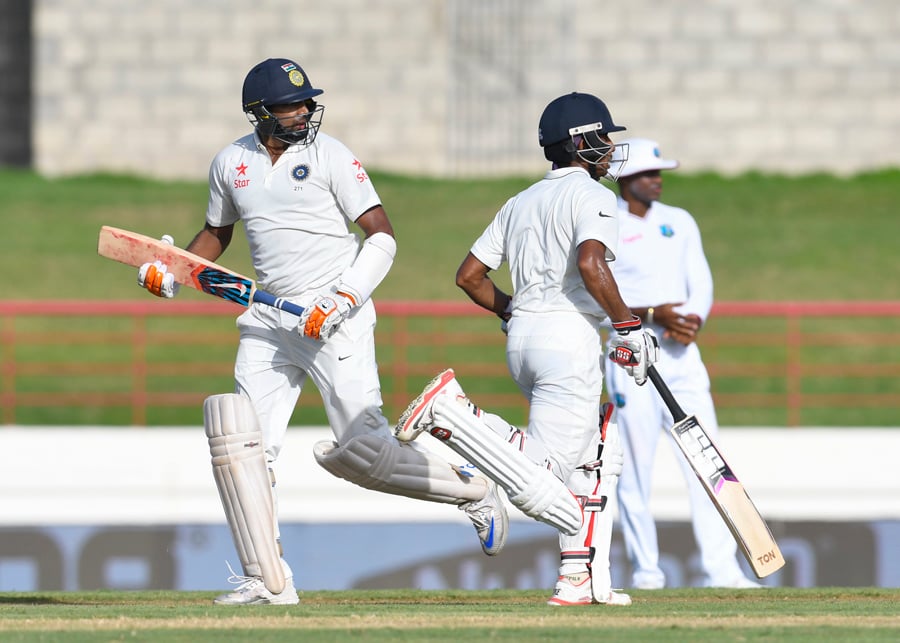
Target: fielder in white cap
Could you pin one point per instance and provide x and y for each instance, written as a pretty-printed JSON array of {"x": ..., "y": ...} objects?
[{"x": 672, "y": 294}]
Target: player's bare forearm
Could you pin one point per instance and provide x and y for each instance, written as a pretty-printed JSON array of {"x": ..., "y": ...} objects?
[
  {"x": 211, "y": 242},
  {"x": 375, "y": 220},
  {"x": 472, "y": 277},
  {"x": 599, "y": 280}
]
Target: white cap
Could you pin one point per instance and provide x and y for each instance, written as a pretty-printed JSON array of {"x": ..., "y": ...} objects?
[{"x": 643, "y": 155}]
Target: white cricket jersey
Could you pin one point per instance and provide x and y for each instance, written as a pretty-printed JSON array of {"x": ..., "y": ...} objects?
[
  {"x": 665, "y": 236},
  {"x": 296, "y": 214},
  {"x": 538, "y": 231}
]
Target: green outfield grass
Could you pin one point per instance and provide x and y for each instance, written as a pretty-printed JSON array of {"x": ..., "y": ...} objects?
[
  {"x": 783, "y": 615},
  {"x": 767, "y": 237}
]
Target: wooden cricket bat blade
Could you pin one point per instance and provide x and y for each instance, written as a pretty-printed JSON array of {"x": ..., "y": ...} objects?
[
  {"x": 135, "y": 249},
  {"x": 726, "y": 492},
  {"x": 729, "y": 496}
]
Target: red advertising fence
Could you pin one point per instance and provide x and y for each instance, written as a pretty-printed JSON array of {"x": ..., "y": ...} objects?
[{"x": 153, "y": 362}]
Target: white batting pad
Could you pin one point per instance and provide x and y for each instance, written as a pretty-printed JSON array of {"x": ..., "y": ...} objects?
[
  {"x": 242, "y": 476},
  {"x": 597, "y": 479},
  {"x": 613, "y": 458},
  {"x": 403, "y": 469},
  {"x": 531, "y": 487},
  {"x": 601, "y": 542}
]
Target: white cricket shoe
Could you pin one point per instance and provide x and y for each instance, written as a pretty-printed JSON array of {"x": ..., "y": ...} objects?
[
  {"x": 251, "y": 590},
  {"x": 741, "y": 582},
  {"x": 572, "y": 589},
  {"x": 418, "y": 415},
  {"x": 654, "y": 579},
  {"x": 575, "y": 589},
  {"x": 619, "y": 599},
  {"x": 648, "y": 584},
  {"x": 490, "y": 519}
]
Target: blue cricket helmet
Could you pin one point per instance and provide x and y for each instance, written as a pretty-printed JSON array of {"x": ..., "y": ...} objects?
[
  {"x": 276, "y": 81},
  {"x": 577, "y": 126},
  {"x": 572, "y": 111},
  {"x": 279, "y": 81}
]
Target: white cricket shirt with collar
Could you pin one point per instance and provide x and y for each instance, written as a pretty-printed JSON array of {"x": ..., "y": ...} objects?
[
  {"x": 538, "y": 232},
  {"x": 296, "y": 213},
  {"x": 661, "y": 260}
]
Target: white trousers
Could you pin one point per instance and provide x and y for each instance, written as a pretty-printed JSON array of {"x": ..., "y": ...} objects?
[
  {"x": 643, "y": 418},
  {"x": 273, "y": 363},
  {"x": 555, "y": 359}
]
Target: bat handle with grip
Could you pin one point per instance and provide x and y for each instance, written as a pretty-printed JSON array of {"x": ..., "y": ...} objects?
[
  {"x": 269, "y": 299},
  {"x": 677, "y": 413}
]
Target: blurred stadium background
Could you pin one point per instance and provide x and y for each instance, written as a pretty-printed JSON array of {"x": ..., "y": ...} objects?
[
  {"x": 451, "y": 87},
  {"x": 443, "y": 88}
]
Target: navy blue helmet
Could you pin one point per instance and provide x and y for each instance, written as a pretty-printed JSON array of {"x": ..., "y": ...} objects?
[
  {"x": 571, "y": 116},
  {"x": 279, "y": 81}
]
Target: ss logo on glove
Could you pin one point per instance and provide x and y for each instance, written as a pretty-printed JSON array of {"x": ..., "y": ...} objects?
[{"x": 624, "y": 356}]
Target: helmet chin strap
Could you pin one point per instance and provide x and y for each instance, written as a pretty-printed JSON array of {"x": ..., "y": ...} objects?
[
  {"x": 290, "y": 137},
  {"x": 267, "y": 125}
]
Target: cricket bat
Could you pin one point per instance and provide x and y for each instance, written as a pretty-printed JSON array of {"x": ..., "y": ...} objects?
[
  {"x": 191, "y": 270},
  {"x": 723, "y": 487}
]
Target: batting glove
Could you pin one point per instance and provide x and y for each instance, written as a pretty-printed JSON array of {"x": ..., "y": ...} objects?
[
  {"x": 156, "y": 277},
  {"x": 634, "y": 349},
  {"x": 322, "y": 320}
]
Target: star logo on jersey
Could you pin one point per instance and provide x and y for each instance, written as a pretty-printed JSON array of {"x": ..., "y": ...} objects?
[
  {"x": 300, "y": 172},
  {"x": 241, "y": 170},
  {"x": 361, "y": 175},
  {"x": 666, "y": 230}
]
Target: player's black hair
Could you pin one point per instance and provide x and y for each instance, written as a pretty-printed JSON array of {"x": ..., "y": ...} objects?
[{"x": 562, "y": 153}]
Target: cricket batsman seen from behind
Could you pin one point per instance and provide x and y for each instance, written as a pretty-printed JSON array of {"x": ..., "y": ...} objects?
[
  {"x": 297, "y": 191},
  {"x": 558, "y": 237}
]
